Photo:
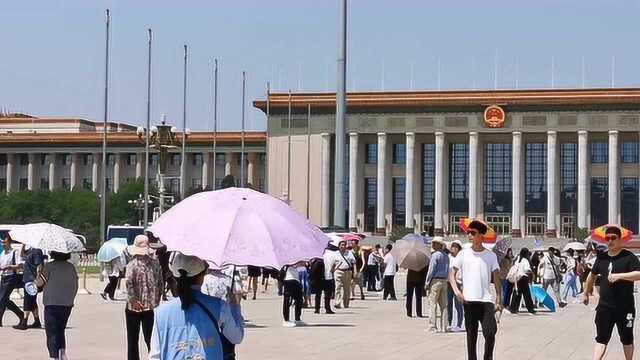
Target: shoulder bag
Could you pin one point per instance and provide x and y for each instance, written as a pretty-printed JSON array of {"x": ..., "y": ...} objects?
[{"x": 228, "y": 349}]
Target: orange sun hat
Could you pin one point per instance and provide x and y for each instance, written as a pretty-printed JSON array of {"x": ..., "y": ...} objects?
[
  {"x": 490, "y": 237},
  {"x": 599, "y": 233}
]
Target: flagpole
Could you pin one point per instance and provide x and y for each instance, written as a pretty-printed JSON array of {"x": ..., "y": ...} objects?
[
  {"x": 184, "y": 127},
  {"x": 266, "y": 158},
  {"x": 244, "y": 86},
  {"x": 289, "y": 153},
  {"x": 308, "y": 155},
  {"x": 103, "y": 193},
  {"x": 147, "y": 132},
  {"x": 215, "y": 120}
]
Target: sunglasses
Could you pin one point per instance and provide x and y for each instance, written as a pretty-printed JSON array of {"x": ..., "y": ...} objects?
[{"x": 611, "y": 237}]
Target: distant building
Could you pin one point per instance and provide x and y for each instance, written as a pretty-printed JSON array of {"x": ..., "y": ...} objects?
[
  {"x": 530, "y": 162},
  {"x": 66, "y": 153}
]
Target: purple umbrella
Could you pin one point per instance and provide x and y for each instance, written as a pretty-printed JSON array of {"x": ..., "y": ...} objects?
[{"x": 239, "y": 227}]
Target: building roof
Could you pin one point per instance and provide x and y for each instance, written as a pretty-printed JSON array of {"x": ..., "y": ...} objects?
[{"x": 379, "y": 100}]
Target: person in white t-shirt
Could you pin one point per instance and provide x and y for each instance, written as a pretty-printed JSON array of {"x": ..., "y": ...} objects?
[
  {"x": 478, "y": 266},
  {"x": 390, "y": 269},
  {"x": 292, "y": 294},
  {"x": 522, "y": 285}
]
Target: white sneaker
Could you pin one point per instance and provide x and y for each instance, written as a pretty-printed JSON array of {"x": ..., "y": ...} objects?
[{"x": 288, "y": 324}]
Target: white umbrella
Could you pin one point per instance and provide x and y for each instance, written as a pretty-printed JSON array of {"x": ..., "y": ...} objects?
[
  {"x": 47, "y": 237},
  {"x": 576, "y": 246}
]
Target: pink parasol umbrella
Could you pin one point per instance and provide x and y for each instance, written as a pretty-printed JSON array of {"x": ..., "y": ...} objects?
[{"x": 239, "y": 227}]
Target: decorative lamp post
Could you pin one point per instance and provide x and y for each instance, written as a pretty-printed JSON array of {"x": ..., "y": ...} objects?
[
  {"x": 139, "y": 205},
  {"x": 163, "y": 139}
]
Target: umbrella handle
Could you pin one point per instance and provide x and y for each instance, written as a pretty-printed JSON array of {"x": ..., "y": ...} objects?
[{"x": 233, "y": 276}]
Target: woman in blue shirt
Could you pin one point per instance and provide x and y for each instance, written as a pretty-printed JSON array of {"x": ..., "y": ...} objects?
[{"x": 194, "y": 325}]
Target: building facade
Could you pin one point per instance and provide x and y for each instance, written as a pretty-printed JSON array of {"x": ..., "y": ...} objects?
[
  {"x": 53, "y": 154},
  {"x": 529, "y": 162}
]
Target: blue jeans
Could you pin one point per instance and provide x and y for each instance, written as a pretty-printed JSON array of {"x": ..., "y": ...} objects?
[
  {"x": 451, "y": 301},
  {"x": 570, "y": 282},
  {"x": 507, "y": 289}
]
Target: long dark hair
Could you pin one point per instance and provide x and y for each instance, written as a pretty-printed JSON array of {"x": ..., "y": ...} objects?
[
  {"x": 524, "y": 254},
  {"x": 58, "y": 256},
  {"x": 184, "y": 289}
]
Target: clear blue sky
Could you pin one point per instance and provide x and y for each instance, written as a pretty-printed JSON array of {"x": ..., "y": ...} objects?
[{"x": 52, "y": 50}]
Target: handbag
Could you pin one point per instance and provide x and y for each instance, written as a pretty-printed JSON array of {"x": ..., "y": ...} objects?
[{"x": 228, "y": 349}]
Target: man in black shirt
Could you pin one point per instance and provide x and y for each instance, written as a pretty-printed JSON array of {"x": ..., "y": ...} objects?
[{"x": 618, "y": 269}]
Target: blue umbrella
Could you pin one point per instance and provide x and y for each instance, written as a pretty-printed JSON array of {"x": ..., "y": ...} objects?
[
  {"x": 112, "y": 249},
  {"x": 543, "y": 297}
]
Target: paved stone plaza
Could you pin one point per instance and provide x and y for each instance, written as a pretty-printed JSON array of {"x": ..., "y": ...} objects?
[{"x": 371, "y": 329}]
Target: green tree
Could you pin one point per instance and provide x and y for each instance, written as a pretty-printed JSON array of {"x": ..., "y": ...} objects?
[{"x": 398, "y": 232}]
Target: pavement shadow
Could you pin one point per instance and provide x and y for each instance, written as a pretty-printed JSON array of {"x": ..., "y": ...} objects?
[
  {"x": 327, "y": 325},
  {"x": 254, "y": 326}
]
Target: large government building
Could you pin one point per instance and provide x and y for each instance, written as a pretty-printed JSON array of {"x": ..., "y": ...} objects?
[{"x": 529, "y": 162}]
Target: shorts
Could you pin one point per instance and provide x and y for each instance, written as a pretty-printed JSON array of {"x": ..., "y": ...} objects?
[
  {"x": 254, "y": 271},
  {"x": 30, "y": 302},
  {"x": 606, "y": 319}
]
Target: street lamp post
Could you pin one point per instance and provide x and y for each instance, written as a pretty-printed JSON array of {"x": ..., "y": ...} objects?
[
  {"x": 141, "y": 207},
  {"x": 163, "y": 139}
]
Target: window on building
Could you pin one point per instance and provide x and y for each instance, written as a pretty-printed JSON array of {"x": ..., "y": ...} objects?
[
  {"x": 44, "y": 158},
  {"x": 239, "y": 158},
  {"x": 500, "y": 223},
  {"x": 262, "y": 158},
  {"x": 44, "y": 184},
  {"x": 567, "y": 226},
  {"x": 111, "y": 159},
  {"x": 536, "y": 225},
  {"x": 599, "y": 201},
  {"x": 65, "y": 159},
  {"x": 260, "y": 184},
  {"x": 399, "y": 153},
  {"x": 108, "y": 184},
  {"x": 599, "y": 152},
  {"x": 535, "y": 178},
  {"x": 24, "y": 159},
  {"x": 23, "y": 184},
  {"x": 3, "y": 159},
  {"x": 66, "y": 184},
  {"x": 568, "y": 178},
  {"x": 497, "y": 178},
  {"x": 132, "y": 159},
  {"x": 629, "y": 152},
  {"x": 87, "y": 184},
  {"x": 370, "y": 203},
  {"x": 174, "y": 186},
  {"x": 629, "y": 203},
  {"x": 197, "y": 159},
  {"x": 427, "y": 224},
  {"x": 218, "y": 183},
  {"x": 372, "y": 153},
  {"x": 87, "y": 159},
  {"x": 153, "y": 160},
  {"x": 399, "y": 201},
  {"x": 221, "y": 160},
  {"x": 454, "y": 224},
  {"x": 459, "y": 178},
  {"x": 428, "y": 178},
  {"x": 174, "y": 159},
  {"x": 196, "y": 183}
]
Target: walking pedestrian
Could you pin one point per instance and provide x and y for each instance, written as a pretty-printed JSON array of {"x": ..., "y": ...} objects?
[
  {"x": 478, "y": 266},
  {"x": 32, "y": 264},
  {"x": 320, "y": 285},
  {"x": 145, "y": 284},
  {"x": 522, "y": 284},
  {"x": 254, "y": 273},
  {"x": 618, "y": 268},
  {"x": 570, "y": 277},
  {"x": 292, "y": 295},
  {"x": 113, "y": 271},
  {"x": 436, "y": 283},
  {"x": 535, "y": 266},
  {"x": 358, "y": 270},
  {"x": 342, "y": 266},
  {"x": 452, "y": 300},
  {"x": 59, "y": 281},
  {"x": 507, "y": 287},
  {"x": 390, "y": 269},
  {"x": 303, "y": 277},
  {"x": 551, "y": 276},
  {"x": 9, "y": 278},
  {"x": 415, "y": 284},
  {"x": 194, "y": 325},
  {"x": 373, "y": 266}
]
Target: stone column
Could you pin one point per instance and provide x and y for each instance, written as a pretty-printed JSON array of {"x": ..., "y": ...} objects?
[
  {"x": 117, "y": 159},
  {"x": 251, "y": 169},
  {"x": 409, "y": 179},
  {"x": 206, "y": 156},
  {"x": 516, "y": 184},
  {"x": 473, "y": 174},
  {"x": 353, "y": 181},
  {"x": 614, "y": 178},
  {"x": 228, "y": 163},
  {"x": 52, "y": 172},
  {"x": 140, "y": 157},
  {"x": 552, "y": 182},
  {"x": 439, "y": 188},
  {"x": 73, "y": 171},
  {"x": 95, "y": 179},
  {"x": 326, "y": 179},
  {"x": 11, "y": 164},
  {"x": 31, "y": 181},
  {"x": 583, "y": 179},
  {"x": 381, "y": 184}
]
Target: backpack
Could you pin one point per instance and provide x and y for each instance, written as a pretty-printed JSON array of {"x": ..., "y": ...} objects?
[{"x": 512, "y": 275}]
